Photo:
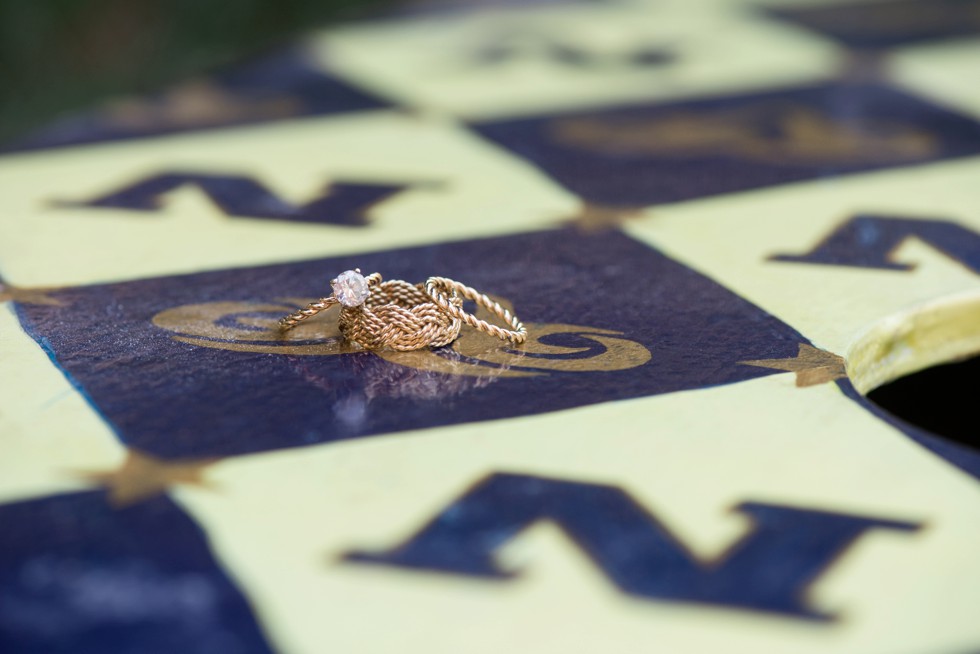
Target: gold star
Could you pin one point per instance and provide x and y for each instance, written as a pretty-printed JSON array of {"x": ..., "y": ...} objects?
[
  {"x": 594, "y": 217},
  {"x": 141, "y": 477},
  {"x": 10, "y": 293},
  {"x": 812, "y": 366},
  {"x": 198, "y": 104}
]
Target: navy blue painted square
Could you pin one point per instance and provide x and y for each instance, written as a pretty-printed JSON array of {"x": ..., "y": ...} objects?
[
  {"x": 166, "y": 363},
  {"x": 77, "y": 575},
  {"x": 643, "y": 155},
  {"x": 874, "y": 25},
  {"x": 280, "y": 85}
]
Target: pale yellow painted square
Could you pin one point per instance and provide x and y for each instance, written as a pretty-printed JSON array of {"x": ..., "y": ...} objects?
[
  {"x": 49, "y": 435},
  {"x": 731, "y": 238},
  {"x": 434, "y": 63},
  {"x": 281, "y": 522},
  {"x": 946, "y": 72},
  {"x": 466, "y": 188}
]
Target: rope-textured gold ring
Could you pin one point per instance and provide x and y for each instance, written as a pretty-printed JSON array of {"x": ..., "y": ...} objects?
[
  {"x": 377, "y": 314},
  {"x": 445, "y": 292},
  {"x": 350, "y": 288}
]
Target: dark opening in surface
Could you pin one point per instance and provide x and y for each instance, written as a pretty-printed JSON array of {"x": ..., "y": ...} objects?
[{"x": 944, "y": 400}]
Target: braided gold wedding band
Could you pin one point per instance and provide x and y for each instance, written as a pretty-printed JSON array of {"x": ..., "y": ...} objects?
[
  {"x": 377, "y": 314},
  {"x": 445, "y": 293}
]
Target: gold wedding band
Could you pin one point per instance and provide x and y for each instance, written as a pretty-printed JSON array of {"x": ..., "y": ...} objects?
[
  {"x": 395, "y": 314},
  {"x": 443, "y": 290}
]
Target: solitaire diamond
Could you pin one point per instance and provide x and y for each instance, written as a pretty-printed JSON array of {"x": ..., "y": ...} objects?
[{"x": 350, "y": 288}]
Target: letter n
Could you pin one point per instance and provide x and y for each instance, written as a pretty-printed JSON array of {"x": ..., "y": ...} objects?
[
  {"x": 769, "y": 569},
  {"x": 241, "y": 196},
  {"x": 869, "y": 241}
]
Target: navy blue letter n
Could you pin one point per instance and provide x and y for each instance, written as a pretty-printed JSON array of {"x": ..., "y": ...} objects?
[{"x": 768, "y": 570}]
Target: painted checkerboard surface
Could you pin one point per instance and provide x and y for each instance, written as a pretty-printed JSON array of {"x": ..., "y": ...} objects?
[{"x": 707, "y": 241}]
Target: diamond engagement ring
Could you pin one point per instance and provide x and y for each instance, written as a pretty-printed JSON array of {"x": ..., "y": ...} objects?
[{"x": 395, "y": 314}]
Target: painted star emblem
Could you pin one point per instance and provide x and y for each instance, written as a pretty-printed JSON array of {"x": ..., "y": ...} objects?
[
  {"x": 811, "y": 365},
  {"x": 142, "y": 476},
  {"x": 9, "y": 293},
  {"x": 594, "y": 217}
]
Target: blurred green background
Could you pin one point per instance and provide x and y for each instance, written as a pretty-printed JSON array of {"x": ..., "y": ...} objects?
[{"x": 58, "y": 56}]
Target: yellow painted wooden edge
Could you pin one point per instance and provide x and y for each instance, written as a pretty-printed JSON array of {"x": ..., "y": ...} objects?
[{"x": 941, "y": 331}]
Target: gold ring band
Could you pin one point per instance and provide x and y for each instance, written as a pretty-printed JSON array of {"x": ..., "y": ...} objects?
[
  {"x": 313, "y": 308},
  {"x": 395, "y": 314},
  {"x": 443, "y": 290}
]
